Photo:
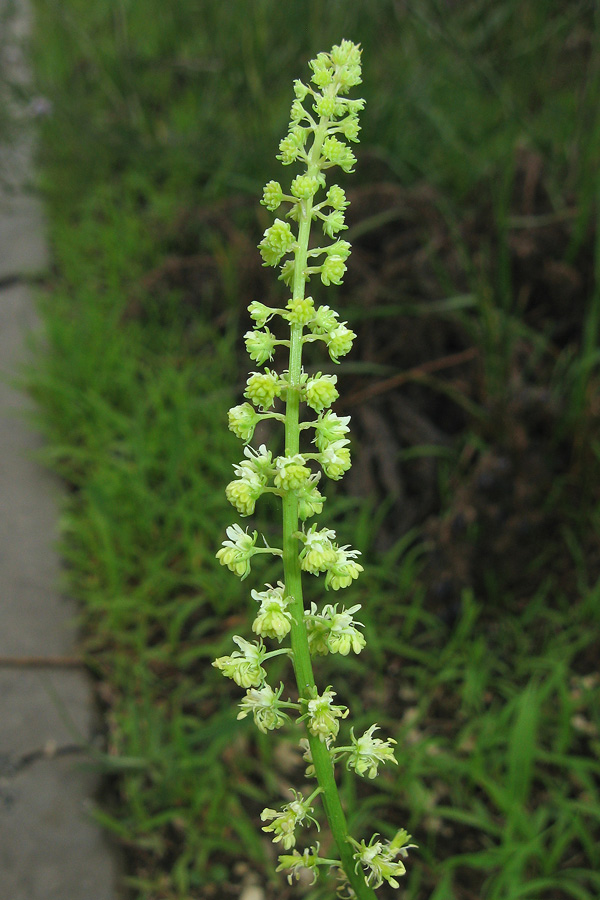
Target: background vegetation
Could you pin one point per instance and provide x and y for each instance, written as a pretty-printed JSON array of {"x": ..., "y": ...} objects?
[{"x": 474, "y": 393}]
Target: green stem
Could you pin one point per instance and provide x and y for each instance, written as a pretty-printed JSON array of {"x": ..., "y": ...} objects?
[{"x": 291, "y": 563}]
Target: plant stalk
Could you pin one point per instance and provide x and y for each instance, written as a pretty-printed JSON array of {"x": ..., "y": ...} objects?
[{"x": 291, "y": 562}]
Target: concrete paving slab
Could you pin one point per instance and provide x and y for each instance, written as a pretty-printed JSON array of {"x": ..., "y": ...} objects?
[
  {"x": 48, "y": 829},
  {"x": 34, "y": 618},
  {"x": 43, "y": 709},
  {"x": 50, "y": 846},
  {"x": 23, "y": 251}
]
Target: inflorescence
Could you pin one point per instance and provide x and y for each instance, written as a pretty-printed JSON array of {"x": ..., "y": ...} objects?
[{"x": 323, "y": 123}]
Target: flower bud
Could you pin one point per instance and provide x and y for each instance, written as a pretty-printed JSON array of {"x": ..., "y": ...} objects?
[
  {"x": 260, "y": 345},
  {"x": 262, "y": 388},
  {"x": 277, "y": 241},
  {"x": 340, "y": 341},
  {"x": 243, "y": 419},
  {"x": 300, "y": 89},
  {"x": 272, "y": 195},
  {"x": 243, "y": 494},
  {"x": 335, "y": 459},
  {"x": 292, "y": 473},
  {"x": 338, "y": 153},
  {"x": 324, "y": 320},
  {"x": 310, "y": 500},
  {"x": 325, "y": 106},
  {"x": 330, "y": 428},
  {"x": 291, "y": 146},
  {"x": 333, "y": 270},
  {"x": 260, "y": 313},
  {"x": 305, "y": 186},
  {"x": 336, "y": 197},
  {"x": 301, "y": 311},
  {"x": 321, "y": 391},
  {"x": 333, "y": 223}
]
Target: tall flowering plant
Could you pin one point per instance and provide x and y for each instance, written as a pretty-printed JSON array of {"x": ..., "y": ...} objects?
[{"x": 323, "y": 122}]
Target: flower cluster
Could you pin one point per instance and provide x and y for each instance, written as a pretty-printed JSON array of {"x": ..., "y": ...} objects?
[
  {"x": 332, "y": 631},
  {"x": 265, "y": 706},
  {"x": 367, "y": 752},
  {"x": 379, "y": 859},
  {"x": 284, "y": 823},
  {"x": 244, "y": 665},
  {"x": 323, "y": 124},
  {"x": 274, "y": 618},
  {"x": 321, "y": 554},
  {"x": 322, "y": 716}
]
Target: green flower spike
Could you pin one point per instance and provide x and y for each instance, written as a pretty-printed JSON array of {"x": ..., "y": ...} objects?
[{"x": 323, "y": 124}]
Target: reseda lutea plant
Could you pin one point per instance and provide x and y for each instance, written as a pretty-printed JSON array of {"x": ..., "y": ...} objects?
[{"x": 322, "y": 120}]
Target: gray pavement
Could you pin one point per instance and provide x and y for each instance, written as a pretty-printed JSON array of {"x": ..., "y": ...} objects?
[{"x": 50, "y": 846}]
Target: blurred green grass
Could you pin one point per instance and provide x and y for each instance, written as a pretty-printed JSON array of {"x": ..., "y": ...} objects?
[{"x": 159, "y": 112}]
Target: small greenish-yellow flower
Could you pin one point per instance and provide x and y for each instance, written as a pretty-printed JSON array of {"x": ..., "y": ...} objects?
[
  {"x": 330, "y": 428},
  {"x": 262, "y": 388},
  {"x": 305, "y": 186},
  {"x": 324, "y": 105},
  {"x": 287, "y": 271},
  {"x": 244, "y": 493},
  {"x": 292, "y": 473},
  {"x": 243, "y": 420},
  {"x": 343, "y": 634},
  {"x": 332, "y": 631},
  {"x": 321, "y": 391},
  {"x": 295, "y": 861},
  {"x": 317, "y": 628},
  {"x": 292, "y": 146},
  {"x": 333, "y": 223},
  {"x": 237, "y": 552},
  {"x": 319, "y": 552},
  {"x": 379, "y": 859},
  {"x": 274, "y": 618},
  {"x": 335, "y": 459},
  {"x": 338, "y": 153},
  {"x": 339, "y": 341},
  {"x": 260, "y": 345},
  {"x": 343, "y": 570},
  {"x": 300, "y": 89},
  {"x": 277, "y": 241},
  {"x": 336, "y": 197},
  {"x": 332, "y": 270},
  {"x": 297, "y": 113},
  {"x": 301, "y": 311},
  {"x": 310, "y": 499},
  {"x": 367, "y": 752},
  {"x": 340, "y": 248},
  {"x": 284, "y": 822},
  {"x": 261, "y": 313},
  {"x": 345, "y": 57},
  {"x": 272, "y": 195},
  {"x": 323, "y": 715},
  {"x": 324, "y": 320},
  {"x": 244, "y": 665},
  {"x": 263, "y": 703},
  {"x": 322, "y": 70},
  {"x": 350, "y": 128}
]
